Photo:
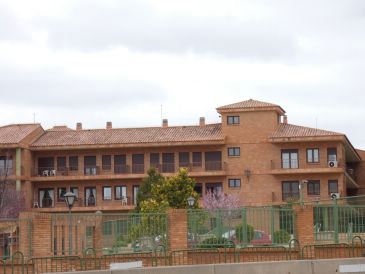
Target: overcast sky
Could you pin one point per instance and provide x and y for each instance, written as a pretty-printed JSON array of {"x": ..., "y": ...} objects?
[{"x": 96, "y": 61}]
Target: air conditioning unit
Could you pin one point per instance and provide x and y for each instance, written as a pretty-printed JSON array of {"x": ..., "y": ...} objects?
[
  {"x": 332, "y": 164},
  {"x": 335, "y": 196}
]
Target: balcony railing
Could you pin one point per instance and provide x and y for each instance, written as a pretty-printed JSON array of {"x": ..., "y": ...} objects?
[
  {"x": 295, "y": 164},
  {"x": 6, "y": 171},
  {"x": 126, "y": 169}
]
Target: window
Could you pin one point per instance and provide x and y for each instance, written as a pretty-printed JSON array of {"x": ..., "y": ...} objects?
[
  {"x": 234, "y": 183},
  {"x": 90, "y": 196},
  {"x": 6, "y": 166},
  {"x": 46, "y": 197},
  {"x": 197, "y": 159},
  {"x": 90, "y": 165},
  {"x": 168, "y": 162},
  {"x": 61, "y": 194},
  {"x": 120, "y": 192},
  {"x": 233, "y": 120},
  {"x": 45, "y": 165},
  {"x": 107, "y": 193},
  {"x": 73, "y": 162},
  {"x": 234, "y": 151},
  {"x": 289, "y": 158},
  {"x": 332, "y": 186},
  {"x": 213, "y": 187},
  {"x": 106, "y": 162},
  {"x": 135, "y": 194},
  {"x": 183, "y": 159},
  {"x": 213, "y": 160},
  {"x": 332, "y": 154},
  {"x": 120, "y": 164},
  {"x": 290, "y": 190},
  {"x": 75, "y": 190},
  {"x": 61, "y": 163},
  {"x": 198, "y": 188},
  {"x": 155, "y": 160},
  {"x": 312, "y": 155},
  {"x": 138, "y": 163},
  {"x": 314, "y": 187}
]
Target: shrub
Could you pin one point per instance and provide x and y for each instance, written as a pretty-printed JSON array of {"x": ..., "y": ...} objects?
[
  {"x": 214, "y": 242},
  {"x": 281, "y": 237},
  {"x": 239, "y": 233}
]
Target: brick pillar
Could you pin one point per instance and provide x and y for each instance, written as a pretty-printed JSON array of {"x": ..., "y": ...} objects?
[
  {"x": 98, "y": 234},
  {"x": 177, "y": 229},
  {"x": 27, "y": 189},
  {"x": 304, "y": 224},
  {"x": 37, "y": 233}
]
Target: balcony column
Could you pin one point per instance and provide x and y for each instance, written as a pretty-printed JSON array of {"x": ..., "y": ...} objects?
[{"x": 18, "y": 169}]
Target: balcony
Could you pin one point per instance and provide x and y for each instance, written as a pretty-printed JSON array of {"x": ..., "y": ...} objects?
[
  {"x": 83, "y": 205},
  {"x": 299, "y": 167},
  {"x": 124, "y": 171}
]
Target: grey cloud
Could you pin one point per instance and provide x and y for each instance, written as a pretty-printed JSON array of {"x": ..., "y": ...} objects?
[
  {"x": 54, "y": 88},
  {"x": 136, "y": 25},
  {"x": 10, "y": 27}
]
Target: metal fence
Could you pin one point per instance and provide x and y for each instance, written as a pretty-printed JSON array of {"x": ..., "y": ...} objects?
[
  {"x": 242, "y": 227},
  {"x": 90, "y": 260},
  {"x": 336, "y": 223},
  {"x": 108, "y": 234}
]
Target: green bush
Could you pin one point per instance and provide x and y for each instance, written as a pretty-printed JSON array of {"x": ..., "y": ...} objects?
[
  {"x": 214, "y": 242},
  {"x": 281, "y": 237},
  {"x": 239, "y": 233}
]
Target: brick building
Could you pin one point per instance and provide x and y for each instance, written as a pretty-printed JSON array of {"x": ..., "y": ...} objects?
[{"x": 254, "y": 152}]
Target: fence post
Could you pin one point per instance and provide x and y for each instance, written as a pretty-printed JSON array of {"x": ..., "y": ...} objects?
[
  {"x": 244, "y": 227},
  {"x": 335, "y": 220},
  {"x": 304, "y": 224},
  {"x": 272, "y": 224},
  {"x": 177, "y": 229}
]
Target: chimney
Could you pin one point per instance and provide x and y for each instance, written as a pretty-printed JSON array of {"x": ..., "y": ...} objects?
[
  {"x": 109, "y": 125},
  {"x": 285, "y": 119},
  {"x": 202, "y": 121},
  {"x": 79, "y": 126},
  {"x": 165, "y": 123}
]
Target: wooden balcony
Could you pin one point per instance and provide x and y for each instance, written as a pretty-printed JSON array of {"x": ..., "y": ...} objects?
[
  {"x": 296, "y": 167},
  {"x": 209, "y": 168},
  {"x": 82, "y": 205}
]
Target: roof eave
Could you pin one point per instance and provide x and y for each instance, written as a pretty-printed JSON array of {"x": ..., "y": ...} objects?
[
  {"x": 131, "y": 145},
  {"x": 306, "y": 138},
  {"x": 278, "y": 109}
]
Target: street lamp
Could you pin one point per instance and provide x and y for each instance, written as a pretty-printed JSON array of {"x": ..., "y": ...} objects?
[
  {"x": 191, "y": 201},
  {"x": 69, "y": 199}
]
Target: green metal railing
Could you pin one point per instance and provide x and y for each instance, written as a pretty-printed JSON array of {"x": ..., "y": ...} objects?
[
  {"x": 54, "y": 264},
  {"x": 120, "y": 233},
  {"x": 338, "y": 223},
  {"x": 91, "y": 260},
  {"x": 235, "y": 228}
]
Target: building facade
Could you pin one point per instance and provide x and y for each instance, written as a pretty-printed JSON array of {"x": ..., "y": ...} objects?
[{"x": 254, "y": 153}]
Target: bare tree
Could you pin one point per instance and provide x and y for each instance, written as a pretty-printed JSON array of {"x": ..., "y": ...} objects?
[
  {"x": 220, "y": 200},
  {"x": 11, "y": 201}
]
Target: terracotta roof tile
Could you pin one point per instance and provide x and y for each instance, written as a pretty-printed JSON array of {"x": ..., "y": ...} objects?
[
  {"x": 288, "y": 130},
  {"x": 248, "y": 104},
  {"x": 13, "y": 134},
  {"x": 210, "y": 132}
]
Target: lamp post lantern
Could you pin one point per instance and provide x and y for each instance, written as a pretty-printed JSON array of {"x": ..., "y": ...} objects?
[
  {"x": 191, "y": 201},
  {"x": 70, "y": 199}
]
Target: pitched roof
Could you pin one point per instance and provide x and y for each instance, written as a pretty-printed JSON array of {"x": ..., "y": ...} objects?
[
  {"x": 249, "y": 104},
  {"x": 53, "y": 138},
  {"x": 288, "y": 130},
  {"x": 14, "y": 134}
]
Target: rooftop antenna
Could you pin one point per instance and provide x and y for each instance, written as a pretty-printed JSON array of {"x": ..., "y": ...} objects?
[{"x": 33, "y": 117}]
